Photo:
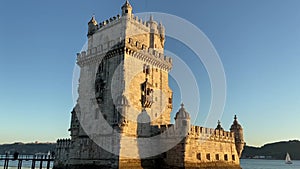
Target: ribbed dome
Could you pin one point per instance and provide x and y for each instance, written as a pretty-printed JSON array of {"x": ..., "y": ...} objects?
[
  {"x": 182, "y": 113},
  {"x": 143, "y": 117},
  {"x": 235, "y": 125}
]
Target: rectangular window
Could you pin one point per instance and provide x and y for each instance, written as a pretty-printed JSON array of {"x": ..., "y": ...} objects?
[
  {"x": 217, "y": 157},
  {"x": 233, "y": 157},
  {"x": 208, "y": 156},
  {"x": 226, "y": 157},
  {"x": 170, "y": 100},
  {"x": 199, "y": 156},
  {"x": 144, "y": 68},
  {"x": 148, "y": 70}
]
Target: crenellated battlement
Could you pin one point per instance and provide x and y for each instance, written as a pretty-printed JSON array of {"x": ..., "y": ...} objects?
[
  {"x": 109, "y": 22},
  {"x": 195, "y": 132},
  {"x": 144, "y": 25}
]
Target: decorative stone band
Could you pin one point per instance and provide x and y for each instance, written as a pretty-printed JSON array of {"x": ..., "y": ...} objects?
[
  {"x": 149, "y": 55},
  {"x": 96, "y": 54}
]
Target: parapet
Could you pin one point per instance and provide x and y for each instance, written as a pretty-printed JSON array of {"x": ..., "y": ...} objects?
[
  {"x": 195, "y": 132},
  {"x": 142, "y": 51},
  {"x": 109, "y": 21},
  {"x": 134, "y": 48},
  {"x": 211, "y": 134},
  {"x": 102, "y": 50},
  {"x": 135, "y": 20}
]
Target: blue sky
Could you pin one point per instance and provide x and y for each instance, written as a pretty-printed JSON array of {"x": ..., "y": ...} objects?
[{"x": 257, "y": 41}]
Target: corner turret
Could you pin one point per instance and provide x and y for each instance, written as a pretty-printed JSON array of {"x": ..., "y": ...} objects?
[
  {"x": 161, "y": 31},
  {"x": 126, "y": 9},
  {"x": 157, "y": 34},
  {"x": 92, "y": 26},
  {"x": 237, "y": 129}
]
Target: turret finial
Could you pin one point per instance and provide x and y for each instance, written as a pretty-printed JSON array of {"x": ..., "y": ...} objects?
[
  {"x": 127, "y": 3},
  {"x": 182, "y": 105},
  {"x": 235, "y": 118},
  {"x": 151, "y": 17}
]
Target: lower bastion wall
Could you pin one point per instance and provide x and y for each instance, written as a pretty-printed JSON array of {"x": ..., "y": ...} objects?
[{"x": 201, "y": 148}]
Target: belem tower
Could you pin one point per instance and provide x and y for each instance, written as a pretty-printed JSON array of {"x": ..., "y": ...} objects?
[{"x": 123, "y": 114}]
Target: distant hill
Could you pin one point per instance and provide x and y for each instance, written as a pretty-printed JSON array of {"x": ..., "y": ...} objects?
[
  {"x": 28, "y": 149},
  {"x": 276, "y": 150}
]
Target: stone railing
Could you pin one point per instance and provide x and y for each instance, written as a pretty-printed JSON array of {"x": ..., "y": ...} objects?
[{"x": 63, "y": 143}]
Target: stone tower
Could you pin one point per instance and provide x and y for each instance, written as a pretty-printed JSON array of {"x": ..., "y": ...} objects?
[
  {"x": 132, "y": 56},
  {"x": 237, "y": 129},
  {"x": 123, "y": 78}
]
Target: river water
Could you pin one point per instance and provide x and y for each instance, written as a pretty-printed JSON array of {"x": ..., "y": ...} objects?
[{"x": 268, "y": 164}]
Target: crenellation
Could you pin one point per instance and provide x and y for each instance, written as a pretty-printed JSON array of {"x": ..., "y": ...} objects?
[
  {"x": 109, "y": 22},
  {"x": 203, "y": 133}
]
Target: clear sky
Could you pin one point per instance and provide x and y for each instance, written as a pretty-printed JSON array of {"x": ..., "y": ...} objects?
[{"x": 257, "y": 41}]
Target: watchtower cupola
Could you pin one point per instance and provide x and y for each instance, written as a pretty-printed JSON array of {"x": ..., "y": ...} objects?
[
  {"x": 237, "y": 129},
  {"x": 182, "y": 118},
  {"x": 92, "y": 26},
  {"x": 126, "y": 9}
]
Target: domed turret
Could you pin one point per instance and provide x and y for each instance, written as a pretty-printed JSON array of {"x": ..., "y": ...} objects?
[
  {"x": 126, "y": 9},
  {"x": 153, "y": 25},
  {"x": 144, "y": 127},
  {"x": 182, "y": 118},
  {"x": 93, "y": 25},
  {"x": 219, "y": 127},
  {"x": 161, "y": 31},
  {"x": 237, "y": 129}
]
